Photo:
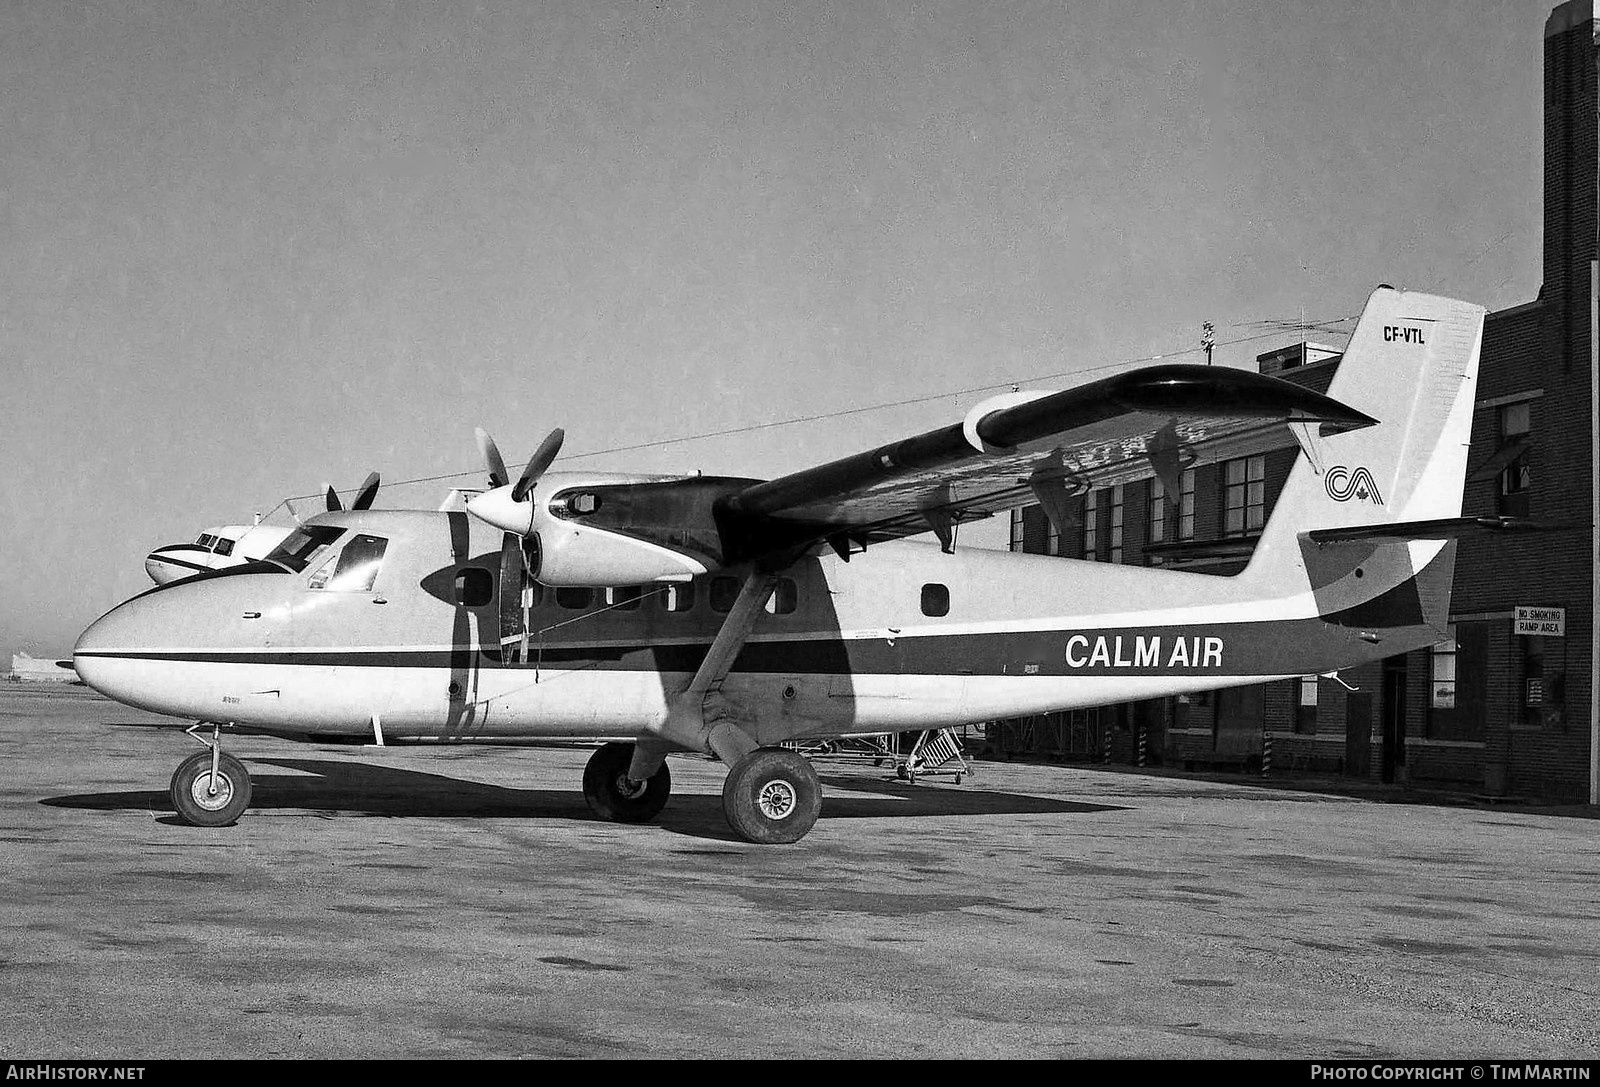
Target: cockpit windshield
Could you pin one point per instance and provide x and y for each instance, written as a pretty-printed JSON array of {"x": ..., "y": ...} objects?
[{"x": 303, "y": 545}]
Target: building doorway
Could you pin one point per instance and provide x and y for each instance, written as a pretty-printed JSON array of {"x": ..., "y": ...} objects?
[
  {"x": 1394, "y": 718},
  {"x": 1357, "y": 734}
]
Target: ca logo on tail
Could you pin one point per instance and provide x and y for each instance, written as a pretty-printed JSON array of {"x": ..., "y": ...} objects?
[{"x": 1346, "y": 483}]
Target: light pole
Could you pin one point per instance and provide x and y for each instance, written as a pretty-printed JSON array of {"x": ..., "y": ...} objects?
[{"x": 1594, "y": 532}]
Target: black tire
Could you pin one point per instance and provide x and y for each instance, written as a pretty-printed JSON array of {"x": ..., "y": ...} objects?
[
  {"x": 201, "y": 804},
  {"x": 607, "y": 788},
  {"x": 772, "y": 797}
]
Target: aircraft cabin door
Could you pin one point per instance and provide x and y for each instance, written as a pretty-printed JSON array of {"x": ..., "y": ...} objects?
[{"x": 342, "y": 611}]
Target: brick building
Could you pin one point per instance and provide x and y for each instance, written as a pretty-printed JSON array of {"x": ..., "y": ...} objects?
[{"x": 1491, "y": 710}]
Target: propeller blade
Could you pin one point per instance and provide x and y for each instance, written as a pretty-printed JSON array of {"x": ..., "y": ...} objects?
[
  {"x": 332, "y": 499},
  {"x": 498, "y": 476},
  {"x": 541, "y": 459},
  {"x": 368, "y": 492}
]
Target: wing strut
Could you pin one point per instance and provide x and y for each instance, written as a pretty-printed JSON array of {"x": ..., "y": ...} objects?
[
  {"x": 698, "y": 718},
  {"x": 936, "y": 512},
  {"x": 1055, "y": 488},
  {"x": 1166, "y": 453}
]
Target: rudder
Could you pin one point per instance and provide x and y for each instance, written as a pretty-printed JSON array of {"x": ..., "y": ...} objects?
[{"x": 1412, "y": 364}]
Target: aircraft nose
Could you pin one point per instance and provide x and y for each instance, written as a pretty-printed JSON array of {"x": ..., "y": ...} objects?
[
  {"x": 499, "y": 509},
  {"x": 129, "y": 652},
  {"x": 102, "y": 656},
  {"x": 160, "y": 570},
  {"x": 172, "y": 562}
]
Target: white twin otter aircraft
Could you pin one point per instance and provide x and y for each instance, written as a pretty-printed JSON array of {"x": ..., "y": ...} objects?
[
  {"x": 726, "y": 616},
  {"x": 222, "y": 546}
]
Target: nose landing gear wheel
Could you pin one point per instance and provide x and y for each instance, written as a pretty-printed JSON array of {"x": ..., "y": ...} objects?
[
  {"x": 613, "y": 795},
  {"x": 204, "y": 800},
  {"x": 772, "y": 796}
]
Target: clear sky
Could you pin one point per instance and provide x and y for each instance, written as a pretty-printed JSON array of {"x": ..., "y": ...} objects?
[{"x": 246, "y": 249}]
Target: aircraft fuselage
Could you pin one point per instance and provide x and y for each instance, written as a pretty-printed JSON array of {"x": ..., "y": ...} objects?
[{"x": 450, "y": 641}]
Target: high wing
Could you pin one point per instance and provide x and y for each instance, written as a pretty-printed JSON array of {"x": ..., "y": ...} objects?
[{"x": 1020, "y": 448}]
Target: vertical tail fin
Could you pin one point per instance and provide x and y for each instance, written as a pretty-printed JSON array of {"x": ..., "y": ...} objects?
[{"x": 1412, "y": 364}]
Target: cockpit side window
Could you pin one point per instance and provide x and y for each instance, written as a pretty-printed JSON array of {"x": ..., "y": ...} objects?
[
  {"x": 357, "y": 568},
  {"x": 224, "y": 546},
  {"x": 303, "y": 546}
]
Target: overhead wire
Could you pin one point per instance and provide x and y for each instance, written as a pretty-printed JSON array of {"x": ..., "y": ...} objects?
[{"x": 1273, "y": 327}]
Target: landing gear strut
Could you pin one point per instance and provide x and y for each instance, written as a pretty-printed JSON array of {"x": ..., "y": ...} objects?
[
  {"x": 210, "y": 789},
  {"x": 613, "y": 795}
]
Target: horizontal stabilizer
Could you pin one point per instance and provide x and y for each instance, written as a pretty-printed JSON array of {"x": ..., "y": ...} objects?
[{"x": 1441, "y": 528}]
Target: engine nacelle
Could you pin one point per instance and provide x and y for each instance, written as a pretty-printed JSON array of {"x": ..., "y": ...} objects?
[
  {"x": 984, "y": 408},
  {"x": 574, "y": 555},
  {"x": 599, "y": 529}
]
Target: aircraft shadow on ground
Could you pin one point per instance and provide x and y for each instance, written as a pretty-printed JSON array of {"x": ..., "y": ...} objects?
[{"x": 332, "y": 787}]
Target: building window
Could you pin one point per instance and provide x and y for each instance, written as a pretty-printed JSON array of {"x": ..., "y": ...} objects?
[
  {"x": 1116, "y": 523},
  {"x": 1305, "y": 704},
  {"x": 1091, "y": 525},
  {"x": 1016, "y": 529},
  {"x": 1186, "y": 506},
  {"x": 1443, "y": 673},
  {"x": 1052, "y": 537},
  {"x": 1244, "y": 495},
  {"x": 1158, "y": 511},
  {"x": 1516, "y": 477}
]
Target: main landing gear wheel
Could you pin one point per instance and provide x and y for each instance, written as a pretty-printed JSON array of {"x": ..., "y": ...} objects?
[
  {"x": 772, "y": 796},
  {"x": 613, "y": 795},
  {"x": 207, "y": 800}
]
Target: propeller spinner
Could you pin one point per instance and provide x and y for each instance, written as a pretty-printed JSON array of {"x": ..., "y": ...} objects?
[{"x": 506, "y": 507}]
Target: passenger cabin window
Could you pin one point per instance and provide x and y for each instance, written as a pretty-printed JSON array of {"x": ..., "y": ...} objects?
[
  {"x": 623, "y": 597},
  {"x": 785, "y": 595},
  {"x": 574, "y": 598},
  {"x": 724, "y": 591},
  {"x": 935, "y": 599},
  {"x": 474, "y": 587},
  {"x": 356, "y": 570},
  {"x": 679, "y": 596}
]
